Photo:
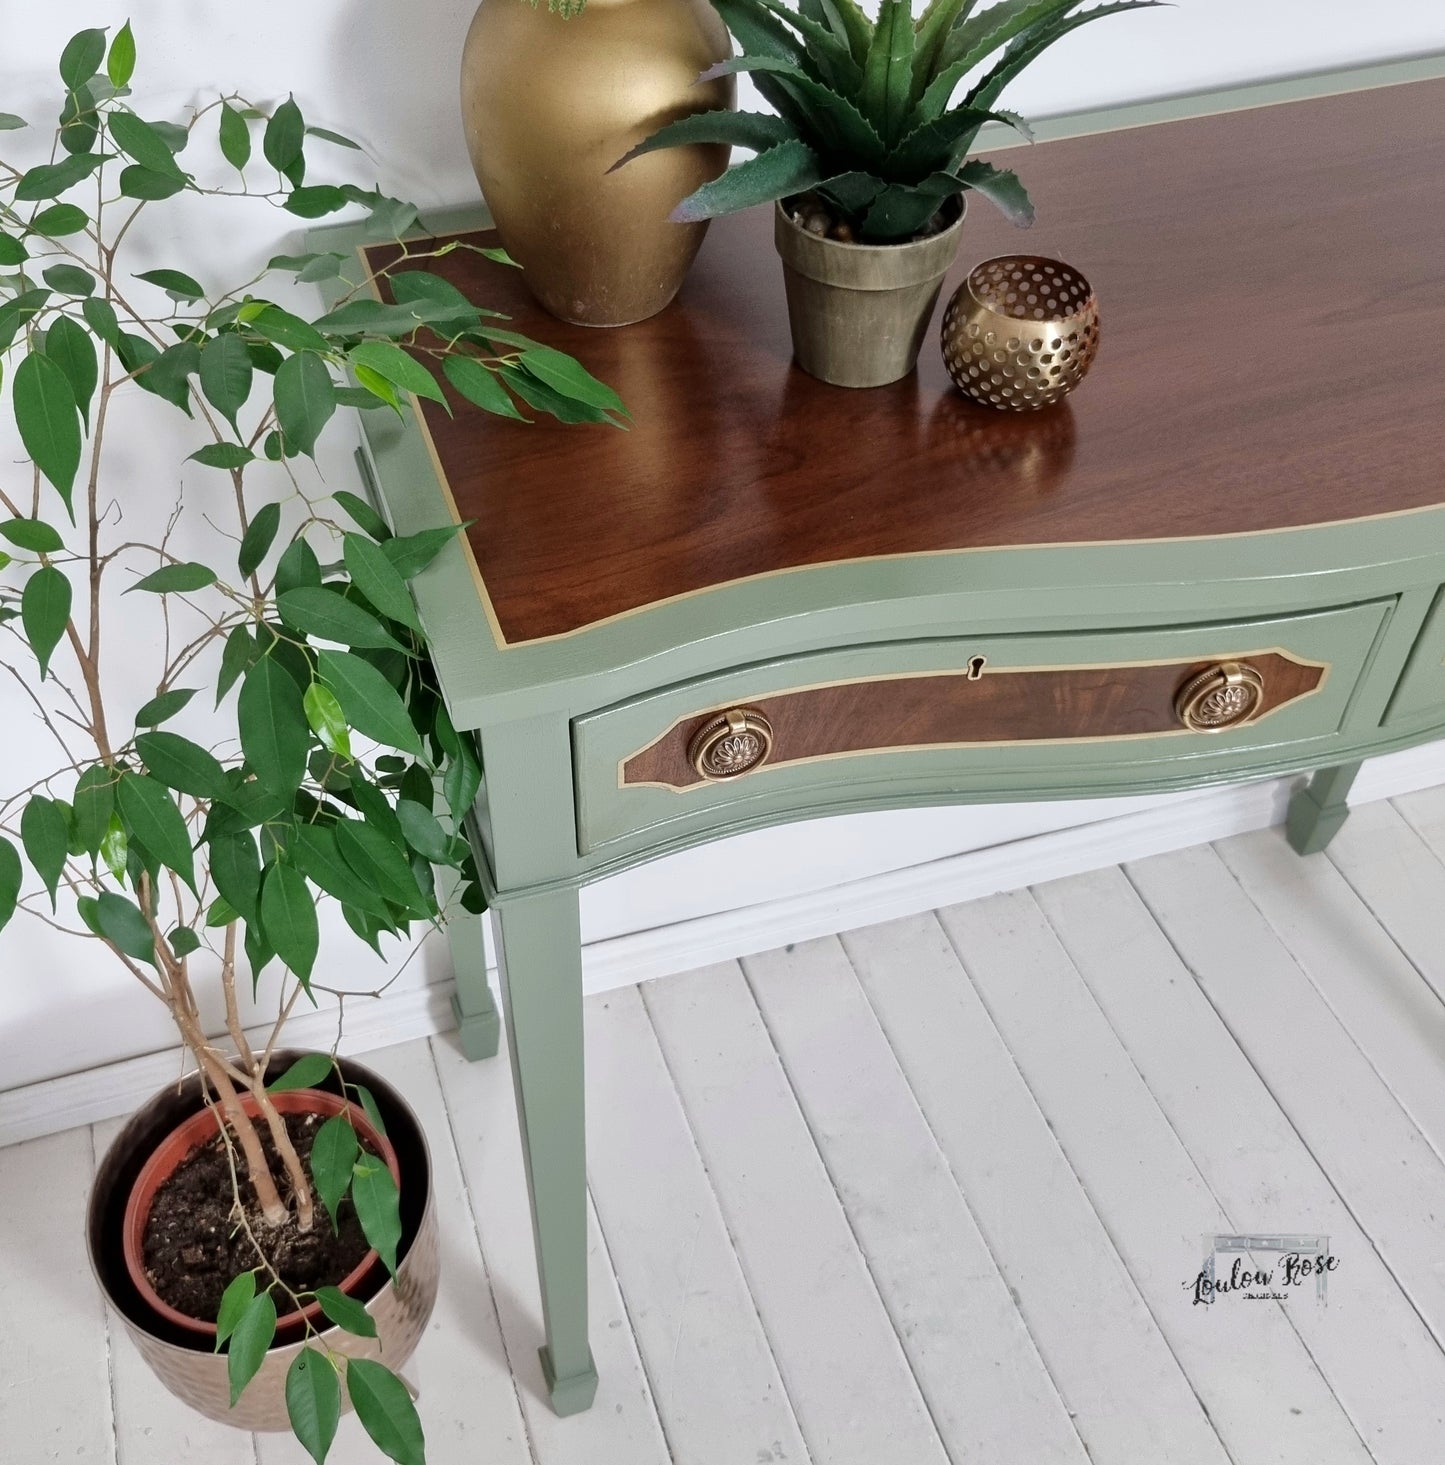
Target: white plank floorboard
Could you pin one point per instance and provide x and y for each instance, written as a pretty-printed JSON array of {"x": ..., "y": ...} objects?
[
  {"x": 986, "y": 1387},
  {"x": 712, "y": 1373},
  {"x": 931, "y": 1194},
  {"x": 1370, "y": 985},
  {"x": 150, "y": 1426},
  {"x": 54, "y": 1352},
  {"x": 1093, "y": 1330},
  {"x": 1369, "y": 1341},
  {"x": 855, "y": 1397},
  {"x": 622, "y": 1427},
  {"x": 1146, "y": 1189},
  {"x": 1383, "y": 1167}
]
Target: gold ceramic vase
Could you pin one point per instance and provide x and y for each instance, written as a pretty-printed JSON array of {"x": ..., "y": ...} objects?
[{"x": 549, "y": 104}]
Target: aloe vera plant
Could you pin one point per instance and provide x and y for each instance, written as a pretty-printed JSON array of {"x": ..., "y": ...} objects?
[{"x": 863, "y": 115}]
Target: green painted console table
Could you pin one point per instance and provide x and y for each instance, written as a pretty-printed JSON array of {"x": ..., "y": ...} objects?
[{"x": 773, "y": 599}]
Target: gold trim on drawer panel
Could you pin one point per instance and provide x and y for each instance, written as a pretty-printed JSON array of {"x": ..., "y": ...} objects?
[{"x": 760, "y": 702}]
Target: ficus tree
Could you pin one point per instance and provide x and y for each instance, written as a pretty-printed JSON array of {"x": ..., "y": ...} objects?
[{"x": 318, "y": 761}]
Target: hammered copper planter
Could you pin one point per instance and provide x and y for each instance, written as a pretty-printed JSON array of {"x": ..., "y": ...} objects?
[
  {"x": 184, "y": 1361},
  {"x": 550, "y": 103},
  {"x": 859, "y": 312}
]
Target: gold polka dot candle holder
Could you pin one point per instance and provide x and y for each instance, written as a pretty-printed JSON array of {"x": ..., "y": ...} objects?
[{"x": 1020, "y": 332}]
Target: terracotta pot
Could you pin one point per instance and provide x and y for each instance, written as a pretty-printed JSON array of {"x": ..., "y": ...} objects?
[
  {"x": 859, "y": 312},
  {"x": 185, "y": 1361},
  {"x": 183, "y": 1141},
  {"x": 550, "y": 103}
]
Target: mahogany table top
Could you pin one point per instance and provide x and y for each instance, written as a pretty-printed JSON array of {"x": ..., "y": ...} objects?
[{"x": 1272, "y": 284}]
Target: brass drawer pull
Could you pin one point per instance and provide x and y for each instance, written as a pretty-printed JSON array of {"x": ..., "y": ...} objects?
[
  {"x": 1225, "y": 695},
  {"x": 731, "y": 744}
]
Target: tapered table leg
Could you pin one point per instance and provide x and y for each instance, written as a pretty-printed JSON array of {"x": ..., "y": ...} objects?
[
  {"x": 539, "y": 941},
  {"x": 479, "y": 1024},
  {"x": 1318, "y": 810}
]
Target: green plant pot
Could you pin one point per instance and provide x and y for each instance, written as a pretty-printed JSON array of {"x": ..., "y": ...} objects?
[{"x": 859, "y": 312}]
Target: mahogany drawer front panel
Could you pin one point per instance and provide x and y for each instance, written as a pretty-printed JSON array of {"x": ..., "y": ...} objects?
[
  {"x": 1420, "y": 694},
  {"x": 1053, "y": 709}
]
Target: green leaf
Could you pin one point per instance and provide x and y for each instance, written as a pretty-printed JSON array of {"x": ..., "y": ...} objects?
[
  {"x": 235, "y": 658},
  {"x": 326, "y": 135},
  {"x": 411, "y": 554},
  {"x": 260, "y": 535},
  {"x": 184, "y": 941},
  {"x": 122, "y": 924},
  {"x": 120, "y": 64},
  {"x": 166, "y": 374},
  {"x": 385, "y": 1410},
  {"x": 404, "y": 371},
  {"x": 11, "y": 875},
  {"x": 423, "y": 833},
  {"x": 333, "y": 1153},
  {"x": 570, "y": 379},
  {"x": 46, "y": 836},
  {"x": 145, "y": 145},
  {"x": 12, "y": 250},
  {"x": 150, "y": 811},
  {"x": 182, "y": 765},
  {"x": 372, "y": 317},
  {"x": 288, "y": 914},
  {"x": 316, "y": 202},
  {"x": 81, "y": 58},
  {"x": 176, "y": 284},
  {"x": 284, "y": 138},
  {"x": 461, "y": 782},
  {"x": 327, "y": 720},
  {"x": 537, "y": 394},
  {"x": 307, "y": 1072},
  {"x": 305, "y": 399},
  {"x": 297, "y": 567},
  {"x": 221, "y": 912},
  {"x": 480, "y": 386},
  {"x": 229, "y": 456},
  {"x": 274, "y": 734},
  {"x": 46, "y": 413},
  {"x": 9, "y": 122},
  {"x": 100, "y": 317},
  {"x": 756, "y": 130},
  {"x": 888, "y": 70},
  {"x": 378, "y": 861},
  {"x": 283, "y": 328},
  {"x": 371, "y": 704},
  {"x": 373, "y": 1111},
  {"x": 313, "y": 1402},
  {"x": 1000, "y": 186},
  {"x": 115, "y": 848},
  {"x": 932, "y": 30},
  {"x": 59, "y": 220},
  {"x": 163, "y": 707},
  {"x": 324, "y": 612},
  {"x": 226, "y": 374},
  {"x": 373, "y": 388},
  {"x": 373, "y": 1193},
  {"x": 147, "y": 185},
  {"x": 346, "y": 1312},
  {"x": 179, "y": 578},
  {"x": 236, "y": 869},
  {"x": 788, "y": 168},
  {"x": 314, "y": 852},
  {"x": 69, "y": 346},
  {"x": 69, "y": 280},
  {"x": 375, "y": 576},
  {"x": 93, "y": 803},
  {"x": 363, "y": 515},
  {"x": 252, "y": 1336},
  {"x": 237, "y": 1297},
  {"x": 32, "y": 534},
  {"x": 235, "y": 138},
  {"x": 50, "y": 180},
  {"x": 44, "y": 610}
]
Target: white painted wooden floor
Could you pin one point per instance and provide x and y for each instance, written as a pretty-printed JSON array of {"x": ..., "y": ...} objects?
[{"x": 931, "y": 1192}]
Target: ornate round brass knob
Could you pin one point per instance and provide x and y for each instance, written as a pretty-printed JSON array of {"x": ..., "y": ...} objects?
[
  {"x": 731, "y": 744},
  {"x": 1222, "y": 696}
]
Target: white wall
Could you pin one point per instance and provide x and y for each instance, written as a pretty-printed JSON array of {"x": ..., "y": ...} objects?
[{"x": 386, "y": 75}]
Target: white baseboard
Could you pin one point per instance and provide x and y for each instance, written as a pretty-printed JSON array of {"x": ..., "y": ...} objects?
[{"x": 115, "y": 1088}]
